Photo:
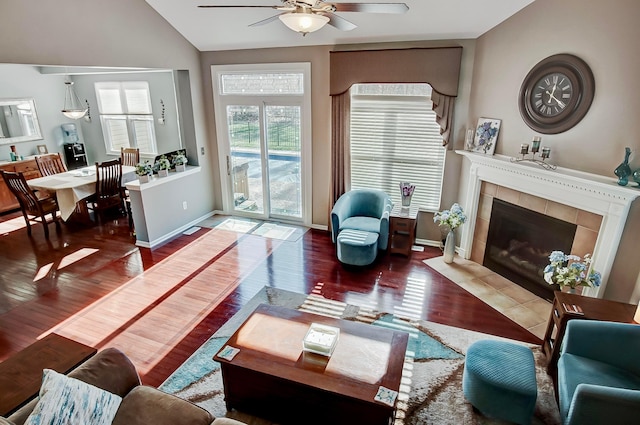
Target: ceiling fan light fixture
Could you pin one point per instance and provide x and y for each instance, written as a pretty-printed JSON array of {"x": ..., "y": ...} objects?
[{"x": 304, "y": 22}]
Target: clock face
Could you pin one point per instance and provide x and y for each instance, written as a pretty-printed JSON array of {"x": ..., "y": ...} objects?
[
  {"x": 556, "y": 94},
  {"x": 552, "y": 94}
]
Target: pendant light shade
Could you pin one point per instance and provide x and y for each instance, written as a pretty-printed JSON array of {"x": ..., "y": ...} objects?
[
  {"x": 304, "y": 22},
  {"x": 72, "y": 107}
]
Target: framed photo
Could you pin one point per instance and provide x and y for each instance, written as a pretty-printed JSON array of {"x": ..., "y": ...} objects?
[
  {"x": 42, "y": 149},
  {"x": 486, "y": 136}
]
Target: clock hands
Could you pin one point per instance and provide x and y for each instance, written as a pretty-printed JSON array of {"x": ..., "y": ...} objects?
[{"x": 552, "y": 97}]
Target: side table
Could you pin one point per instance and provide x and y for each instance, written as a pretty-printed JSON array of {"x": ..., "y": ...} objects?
[
  {"x": 402, "y": 229},
  {"x": 592, "y": 309}
]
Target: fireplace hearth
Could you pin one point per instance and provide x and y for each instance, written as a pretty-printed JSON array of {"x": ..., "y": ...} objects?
[{"x": 519, "y": 243}]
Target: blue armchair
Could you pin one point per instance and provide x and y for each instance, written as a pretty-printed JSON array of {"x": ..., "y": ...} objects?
[
  {"x": 363, "y": 209},
  {"x": 599, "y": 373}
]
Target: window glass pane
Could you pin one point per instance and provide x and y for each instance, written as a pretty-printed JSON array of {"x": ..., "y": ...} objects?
[
  {"x": 109, "y": 101},
  {"x": 395, "y": 138},
  {"x": 143, "y": 134},
  {"x": 115, "y": 132},
  {"x": 262, "y": 83}
]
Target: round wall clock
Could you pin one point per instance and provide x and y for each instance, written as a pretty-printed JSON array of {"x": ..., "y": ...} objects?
[{"x": 556, "y": 94}]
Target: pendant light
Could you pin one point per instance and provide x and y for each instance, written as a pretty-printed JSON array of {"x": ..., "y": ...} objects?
[{"x": 72, "y": 107}]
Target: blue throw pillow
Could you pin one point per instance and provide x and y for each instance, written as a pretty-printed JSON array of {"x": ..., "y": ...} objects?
[{"x": 67, "y": 401}]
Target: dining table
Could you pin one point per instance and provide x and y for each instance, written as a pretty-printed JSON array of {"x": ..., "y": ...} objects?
[{"x": 73, "y": 187}]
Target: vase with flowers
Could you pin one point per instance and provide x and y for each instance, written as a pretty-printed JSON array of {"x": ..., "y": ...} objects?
[
  {"x": 144, "y": 170},
  {"x": 571, "y": 271},
  {"x": 406, "y": 190},
  {"x": 452, "y": 219},
  {"x": 162, "y": 166}
]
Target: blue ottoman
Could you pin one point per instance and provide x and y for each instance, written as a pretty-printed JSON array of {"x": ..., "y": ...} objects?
[
  {"x": 499, "y": 380},
  {"x": 357, "y": 247}
]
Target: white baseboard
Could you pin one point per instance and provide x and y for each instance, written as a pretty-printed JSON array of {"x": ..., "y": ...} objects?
[{"x": 158, "y": 241}]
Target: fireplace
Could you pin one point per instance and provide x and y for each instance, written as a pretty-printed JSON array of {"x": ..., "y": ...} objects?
[
  {"x": 519, "y": 242},
  {"x": 598, "y": 205}
]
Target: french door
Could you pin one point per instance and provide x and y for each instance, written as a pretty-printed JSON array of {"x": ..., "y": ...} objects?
[
  {"x": 264, "y": 160},
  {"x": 262, "y": 147}
]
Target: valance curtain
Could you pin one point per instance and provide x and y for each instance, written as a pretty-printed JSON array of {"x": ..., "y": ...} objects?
[{"x": 439, "y": 67}]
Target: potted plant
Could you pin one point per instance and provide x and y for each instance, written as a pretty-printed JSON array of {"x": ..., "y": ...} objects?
[
  {"x": 162, "y": 166},
  {"x": 180, "y": 162},
  {"x": 571, "y": 271},
  {"x": 144, "y": 171}
]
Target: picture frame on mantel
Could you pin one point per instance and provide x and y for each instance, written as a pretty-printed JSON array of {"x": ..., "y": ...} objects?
[{"x": 486, "y": 135}]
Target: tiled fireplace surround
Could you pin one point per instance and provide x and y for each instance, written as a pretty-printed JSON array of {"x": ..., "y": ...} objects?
[{"x": 596, "y": 204}]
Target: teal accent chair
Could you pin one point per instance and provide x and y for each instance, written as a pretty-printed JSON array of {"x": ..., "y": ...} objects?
[
  {"x": 365, "y": 210},
  {"x": 599, "y": 373}
]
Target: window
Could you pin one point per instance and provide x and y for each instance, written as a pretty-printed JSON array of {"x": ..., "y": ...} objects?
[
  {"x": 395, "y": 138},
  {"x": 126, "y": 116}
]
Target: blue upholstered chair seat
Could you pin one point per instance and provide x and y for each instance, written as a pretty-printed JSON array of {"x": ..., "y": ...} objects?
[
  {"x": 499, "y": 380},
  {"x": 599, "y": 373},
  {"x": 362, "y": 210},
  {"x": 367, "y": 224}
]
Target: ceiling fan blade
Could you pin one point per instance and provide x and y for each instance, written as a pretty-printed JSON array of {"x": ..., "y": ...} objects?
[
  {"x": 372, "y": 7},
  {"x": 266, "y": 21},
  {"x": 208, "y": 6},
  {"x": 340, "y": 23}
]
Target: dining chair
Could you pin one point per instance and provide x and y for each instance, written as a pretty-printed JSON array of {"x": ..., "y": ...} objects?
[
  {"x": 130, "y": 156},
  {"x": 50, "y": 164},
  {"x": 108, "y": 187},
  {"x": 30, "y": 203}
]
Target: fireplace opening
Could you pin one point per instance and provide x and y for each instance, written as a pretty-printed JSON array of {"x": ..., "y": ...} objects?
[{"x": 519, "y": 243}]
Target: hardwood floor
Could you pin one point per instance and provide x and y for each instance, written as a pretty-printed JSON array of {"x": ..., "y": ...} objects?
[{"x": 94, "y": 285}]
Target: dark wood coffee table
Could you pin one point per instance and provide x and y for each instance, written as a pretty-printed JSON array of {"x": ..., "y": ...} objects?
[
  {"x": 273, "y": 378},
  {"x": 21, "y": 374}
]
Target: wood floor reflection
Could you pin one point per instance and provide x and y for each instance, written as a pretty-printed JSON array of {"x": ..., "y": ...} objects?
[{"x": 94, "y": 285}]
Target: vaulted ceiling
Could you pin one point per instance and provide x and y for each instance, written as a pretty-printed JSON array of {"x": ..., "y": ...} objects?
[{"x": 213, "y": 29}]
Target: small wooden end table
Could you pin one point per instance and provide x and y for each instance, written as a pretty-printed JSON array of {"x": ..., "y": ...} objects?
[
  {"x": 21, "y": 374},
  {"x": 592, "y": 309},
  {"x": 271, "y": 376},
  {"x": 402, "y": 229}
]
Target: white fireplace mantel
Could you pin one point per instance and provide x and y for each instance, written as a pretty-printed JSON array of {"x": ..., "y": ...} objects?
[{"x": 585, "y": 191}]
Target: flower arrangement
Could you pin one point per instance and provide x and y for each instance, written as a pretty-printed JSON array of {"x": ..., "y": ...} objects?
[
  {"x": 162, "y": 163},
  {"x": 571, "y": 271},
  {"x": 144, "y": 168},
  {"x": 180, "y": 159},
  {"x": 407, "y": 189},
  {"x": 453, "y": 217}
]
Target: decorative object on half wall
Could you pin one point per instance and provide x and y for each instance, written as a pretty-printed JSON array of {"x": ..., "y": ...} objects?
[
  {"x": 535, "y": 149},
  {"x": 144, "y": 170},
  {"x": 406, "y": 190},
  {"x": 623, "y": 171},
  {"x": 451, "y": 218},
  {"x": 486, "y": 135}
]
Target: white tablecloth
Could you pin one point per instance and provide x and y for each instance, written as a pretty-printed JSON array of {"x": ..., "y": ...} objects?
[{"x": 74, "y": 186}]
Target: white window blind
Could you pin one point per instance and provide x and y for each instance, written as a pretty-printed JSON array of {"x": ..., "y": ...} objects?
[
  {"x": 126, "y": 115},
  {"x": 395, "y": 138}
]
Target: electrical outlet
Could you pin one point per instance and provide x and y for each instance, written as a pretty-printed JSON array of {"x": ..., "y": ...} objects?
[
  {"x": 184, "y": 205},
  {"x": 202, "y": 150}
]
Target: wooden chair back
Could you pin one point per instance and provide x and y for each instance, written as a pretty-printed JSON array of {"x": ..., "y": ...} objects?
[
  {"x": 29, "y": 202},
  {"x": 50, "y": 164},
  {"x": 108, "y": 184},
  {"x": 27, "y": 198},
  {"x": 130, "y": 156}
]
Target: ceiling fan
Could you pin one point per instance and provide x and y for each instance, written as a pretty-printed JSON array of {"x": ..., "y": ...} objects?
[{"x": 309, "y": 16}]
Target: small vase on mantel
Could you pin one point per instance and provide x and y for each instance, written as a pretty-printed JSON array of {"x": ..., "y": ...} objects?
[
  {"x": 449, "y": 247},
  {"x": 623, "y": 171}
]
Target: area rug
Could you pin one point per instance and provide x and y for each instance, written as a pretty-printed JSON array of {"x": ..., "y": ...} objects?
[{"x": 431, "y": 395}]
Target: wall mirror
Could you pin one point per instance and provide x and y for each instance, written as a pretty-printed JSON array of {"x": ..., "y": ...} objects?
[{"x": 18, "y": 121}]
